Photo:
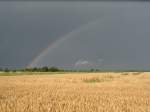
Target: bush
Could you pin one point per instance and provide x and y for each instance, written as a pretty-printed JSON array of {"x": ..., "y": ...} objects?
[
  {"x": 6, "y": 70},
  {"x": 54, "y": 69},
  {"x": 93, "y": 80}
]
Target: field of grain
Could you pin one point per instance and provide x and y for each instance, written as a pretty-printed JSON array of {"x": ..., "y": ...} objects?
[{"x": 76, "y": 92}]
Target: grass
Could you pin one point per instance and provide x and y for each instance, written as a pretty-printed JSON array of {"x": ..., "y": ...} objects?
[
  {"x": 111, "y": 92},
  {"x": 137, "y": 73},
  {"x": 93, "y": 80},
  {"x": 125, "y": 73},
  {"x": 98, "y": 79},
  {"x": 29, "y": 73}
]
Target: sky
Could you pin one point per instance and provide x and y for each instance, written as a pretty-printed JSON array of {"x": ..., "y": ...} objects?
[{"x": 75, "y": 35}]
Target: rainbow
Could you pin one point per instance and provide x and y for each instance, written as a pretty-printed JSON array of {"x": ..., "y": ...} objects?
[{"x": 58, "y": 42}]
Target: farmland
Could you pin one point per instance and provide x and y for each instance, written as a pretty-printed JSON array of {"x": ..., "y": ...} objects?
[{"x": 75, "y": 92}]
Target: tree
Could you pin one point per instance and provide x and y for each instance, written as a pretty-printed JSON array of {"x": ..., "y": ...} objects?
[
  {"x": 6, "y": 70},
  {"x": 54, "y": 69},
  {"x": 34, "y": 69},
  {"x": 45, "y": 69},
  {"x": 92, "y": 70}
]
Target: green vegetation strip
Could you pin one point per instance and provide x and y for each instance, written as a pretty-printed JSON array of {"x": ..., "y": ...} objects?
[{"x": 29, "y": 73}]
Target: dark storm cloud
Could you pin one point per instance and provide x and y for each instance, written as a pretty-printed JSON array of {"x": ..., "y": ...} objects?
[
  {"x": 121, "y": 40},
  {"x": 80, "y": 0},
  {"x": 26, "y": 28}
]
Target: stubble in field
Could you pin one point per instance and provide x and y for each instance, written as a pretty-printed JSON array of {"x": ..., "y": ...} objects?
[{"x": 76, "y": 92}]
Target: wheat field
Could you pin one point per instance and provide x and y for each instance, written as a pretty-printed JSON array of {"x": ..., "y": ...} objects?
[{"x": 76, "y": 92}]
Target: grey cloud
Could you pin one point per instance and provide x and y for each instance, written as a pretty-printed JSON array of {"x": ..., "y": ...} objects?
[
  {"x": 82, "y": 63},
  {"x": 120, "y": 40}
]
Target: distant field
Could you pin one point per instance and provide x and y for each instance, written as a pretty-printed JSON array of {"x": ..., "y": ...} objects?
[
  {"x": 29, "y": 73},
  {"x": 75, "y": 92}
]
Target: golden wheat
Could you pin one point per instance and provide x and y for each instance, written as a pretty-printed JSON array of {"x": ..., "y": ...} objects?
[{"x": 76, "y": 92}]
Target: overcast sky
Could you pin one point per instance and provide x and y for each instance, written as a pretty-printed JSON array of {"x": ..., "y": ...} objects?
[{"x": 107, "y": 35}]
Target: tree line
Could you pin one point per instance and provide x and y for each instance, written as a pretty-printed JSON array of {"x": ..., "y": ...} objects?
[
  {"x": 34, "y": 69},
  {"x": 56, "y": 69},
  {"x": 45, "y": 69}
]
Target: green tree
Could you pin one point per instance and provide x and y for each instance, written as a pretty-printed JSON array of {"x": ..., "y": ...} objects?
[
  {"x": 45, "y": 69},
  {"x": 6, "y": 70},
  {"x": 54, "y": 69}
]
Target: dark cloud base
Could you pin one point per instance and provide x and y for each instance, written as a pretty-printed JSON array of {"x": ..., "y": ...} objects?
[
  {"x": 120, "y": 35},
  {"x": 81, "y": 0}
]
